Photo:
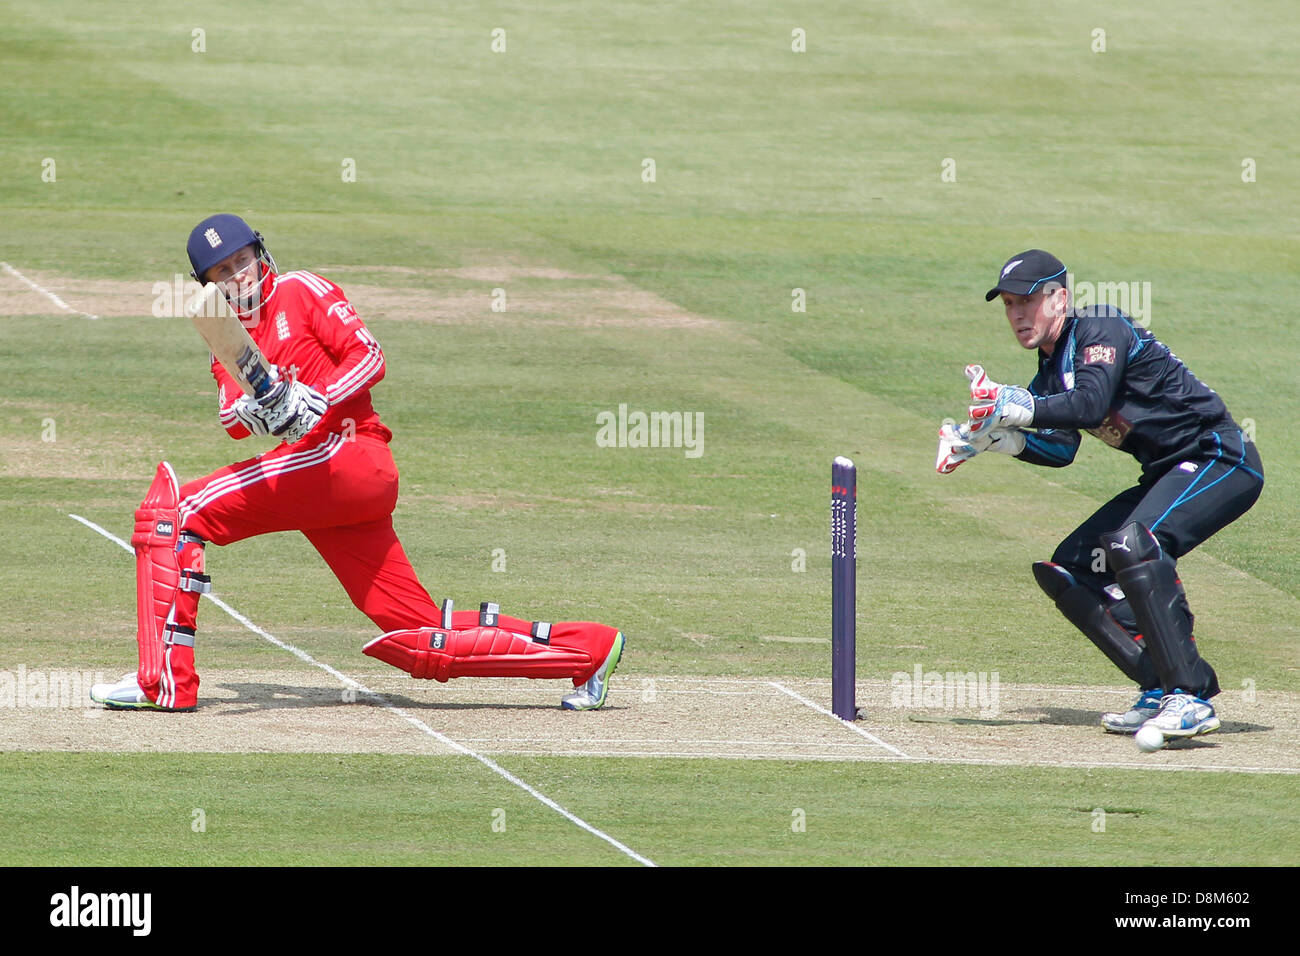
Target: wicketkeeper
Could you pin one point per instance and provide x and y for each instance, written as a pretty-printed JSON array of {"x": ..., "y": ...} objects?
[
  {"x": 333, "y": 478},
  {"x": 1114, "y": 577}
]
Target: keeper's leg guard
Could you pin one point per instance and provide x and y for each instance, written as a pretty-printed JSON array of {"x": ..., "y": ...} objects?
[
  {"x": 169, "y": 580},
  {"x": 1151, "y": 584},
  {"x": 1082, "y": 609}
]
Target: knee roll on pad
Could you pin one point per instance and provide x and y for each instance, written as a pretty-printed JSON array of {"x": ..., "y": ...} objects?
[
  {"x": 1053, "y": 579},
  {"x": 1130, "y": 546}
]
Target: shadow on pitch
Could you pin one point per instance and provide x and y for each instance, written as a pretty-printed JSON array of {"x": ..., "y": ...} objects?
[
  {"x": 1062, "y": 716},
  {"x": 1073, "y": 717},
  {"x": 252, "y": 697}
]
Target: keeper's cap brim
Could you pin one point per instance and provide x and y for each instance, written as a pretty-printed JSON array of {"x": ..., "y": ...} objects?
[{"x": 1027, "y": 273}]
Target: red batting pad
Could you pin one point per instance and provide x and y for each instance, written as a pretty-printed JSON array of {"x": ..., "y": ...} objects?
[
  {"x": 430, "y": 652},
  {"x": 157, "y": 571}
]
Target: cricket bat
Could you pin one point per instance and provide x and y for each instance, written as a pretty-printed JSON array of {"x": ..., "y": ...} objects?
[{"x": 229, "y": 341}]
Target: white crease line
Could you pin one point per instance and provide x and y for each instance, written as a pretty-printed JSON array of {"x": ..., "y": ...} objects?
[
  {"x": 45, "y": 292},
  {"x": 650, "y": 741},
  {"x": 849, "y": 724},
  {"x": 1003, "y": 685},
  {"x": 758, "y": 683},
  {"x": 862, "y": 757},
  {"x": 413, "y": 721}
]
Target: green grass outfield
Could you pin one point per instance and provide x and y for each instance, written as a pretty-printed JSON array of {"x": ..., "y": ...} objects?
[
  {"x": 337, "y": 810},
  {"x": 775, "y": 171}
]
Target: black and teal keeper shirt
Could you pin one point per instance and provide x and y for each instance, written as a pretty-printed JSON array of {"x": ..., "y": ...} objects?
[{"x": 1115, "y": 380}]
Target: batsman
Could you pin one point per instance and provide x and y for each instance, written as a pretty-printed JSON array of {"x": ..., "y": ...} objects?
[
  {"x": 1115, "y": 577},
  {"x": 293, "y": 360}
]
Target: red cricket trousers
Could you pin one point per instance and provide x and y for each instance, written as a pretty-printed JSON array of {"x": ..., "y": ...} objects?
[{"x": 340, "y": 493}]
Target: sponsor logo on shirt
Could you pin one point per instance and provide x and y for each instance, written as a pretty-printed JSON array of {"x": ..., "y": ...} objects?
[
  {"x": 1114, "y": 428},
  {"x": 343, "y": 311},
  {"x": 1099, "y": 355}
]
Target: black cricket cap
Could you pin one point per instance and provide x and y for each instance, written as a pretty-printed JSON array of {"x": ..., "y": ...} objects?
[{"x": 1028, "y": 272}]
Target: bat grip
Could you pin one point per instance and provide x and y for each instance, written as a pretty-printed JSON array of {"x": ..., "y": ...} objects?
[
  {"x": 256, "y": 371},
  {"x": 261, "y": 384}
]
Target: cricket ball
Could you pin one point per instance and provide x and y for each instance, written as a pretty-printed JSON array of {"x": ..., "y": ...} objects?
[{"x": 1149, "y": 739}]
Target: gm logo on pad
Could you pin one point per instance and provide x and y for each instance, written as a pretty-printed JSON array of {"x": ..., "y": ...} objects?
[{"x": 163, "y": 529}]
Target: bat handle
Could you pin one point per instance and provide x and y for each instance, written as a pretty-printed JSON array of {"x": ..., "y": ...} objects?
[
  {"x": 261, "y": 384},
  {"x": 256, "y": 371}
]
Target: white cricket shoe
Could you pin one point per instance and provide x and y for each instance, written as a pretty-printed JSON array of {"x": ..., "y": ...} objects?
[
  {"x": 125, "y": 695},
  {"x": 1144, "y": 708},
  {"x": 592, "y": 694},
  {"x": 1184, "y": 715}
]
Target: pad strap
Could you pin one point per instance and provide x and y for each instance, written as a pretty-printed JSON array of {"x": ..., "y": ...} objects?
[
  {"x": 178, "y": 634},
  {"x": 195, "y": 581}
]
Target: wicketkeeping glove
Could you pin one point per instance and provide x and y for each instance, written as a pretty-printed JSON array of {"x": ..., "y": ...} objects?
[
  {"x": 956, "y": 445},
  {"x": 292, "y": 409},
  {"x": 996, "y": 406}
]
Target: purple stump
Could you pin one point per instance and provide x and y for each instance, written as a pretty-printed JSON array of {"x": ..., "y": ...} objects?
[{"x": 844, "y": 587}]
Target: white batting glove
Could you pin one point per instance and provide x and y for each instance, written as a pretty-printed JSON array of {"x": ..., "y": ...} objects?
[
  {"x": 956, "y": 445},
  {"x": 249, "y": 413},
  {"x": 996, "y": 406},
  {"x": 292, "y": 409}
]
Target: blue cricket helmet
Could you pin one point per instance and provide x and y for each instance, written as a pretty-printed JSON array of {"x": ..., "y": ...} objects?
[{"x": 219, "y": 236}]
